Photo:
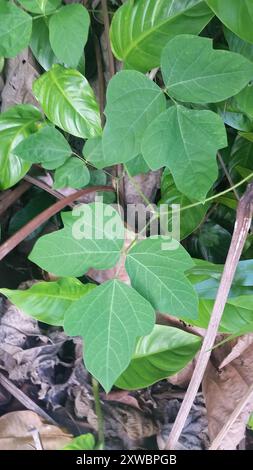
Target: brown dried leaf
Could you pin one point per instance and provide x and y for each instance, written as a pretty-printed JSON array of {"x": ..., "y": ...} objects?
[
  {"x": 223, "y": 390},
  {"x": 15, "y": 432},
  {"x": 20, "y": 74},
  {"x": 243, "y": 343}
]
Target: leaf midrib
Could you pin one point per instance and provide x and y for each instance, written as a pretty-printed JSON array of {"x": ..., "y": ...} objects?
[{"x": 143, "y": 36}]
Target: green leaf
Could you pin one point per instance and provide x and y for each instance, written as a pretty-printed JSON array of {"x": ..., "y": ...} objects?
[
  {"x": 40, "y": 6},
  {"x": 93, "y": 152},
  {"x": 241, "y": 154},
  {"x": 1, "y": 64},
  {"x": 190, "y": 219},
  {"x": 206, "y": 279},
  {"x": 194, "y": 72},
  {"x": 47, "y": 146},
  {"x": 92, "y": 237},
  {"x": 237, "y": 44},
  {"x": 186, "y": 141},
  {"x": 40, "y": 44},
  {"x": 247, "y": 135},
  {"x": 83, "y": 442},
  {"x": 211, "y": 242},
  {"x": 73, "y": 173},
  {"x": 68, "y": 33},
  {"x": 15, "y": 29},
  {"x": 109, "y": 319},
  {"x": 68, "y": 101},
  {"x": 140, "y": 30},
  {"x": 164, "y": 352},
  {"x": 37, "y": 202},
  {"x": 133, "y": 101},
  {"x": 15, "y": 125},
  {"x": 157, "y": 272},
  {"x": 237, "y": 315},
  {"x": 237, "y": 15},
  {"x": 136, "y": 166},
  {"x": 48, "y": 301}
]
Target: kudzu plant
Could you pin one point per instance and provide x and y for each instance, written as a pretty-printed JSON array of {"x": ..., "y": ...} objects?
[{"x": 199, "y": 105}]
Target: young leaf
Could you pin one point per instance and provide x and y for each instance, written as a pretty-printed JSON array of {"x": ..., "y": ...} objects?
[
  {"x": 68, "y": 101},
  {"x": 92, "y": 237},
  {"x": 15, "y": 125},
  {"x": 40, "y": 44},
  {"x": 237, "y": 15},
  {"x": 109, "y": 319},
  {"x": 164, "y": 352},
  {"x": 40, "y": 6},
  {"x": 194, "y": 72},
  {"x": 47, "y": 146},
  {"x": 48, "y": 301},
  {"x": 140, "y": 30},
  {"x": 15, "y": 29},
  {"x": 133, "y": 101},
  {"x": 190, "y": 219},
  {"x": 68, "y": 33},
  {"x": 93, "y": 152},
  {"x": 186, "y": 141},
  {"x": 157, "y": 273},
  {"x": 73, "y": 173}
]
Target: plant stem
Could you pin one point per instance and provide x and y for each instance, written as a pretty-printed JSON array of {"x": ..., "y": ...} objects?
[
  {"x": 99, "y": 413},
  {"x": 107, "y": 34},
  {"x": 228, "y": 176},
  {"x": 19, "y": 236},
  {"x": 242, "y": 225}
]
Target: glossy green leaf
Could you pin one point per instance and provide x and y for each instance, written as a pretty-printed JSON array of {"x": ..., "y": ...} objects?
[
  {"x": 211, "y": 243},
  {"x": 48, "y": 301},
  {"x": 194, "y": 72},
  {"x": 157, "y": 270},
  {"x": 16, "y": 124},
  {"x": 186, "y": 141},
  {"x": 109, "y": 319},
  {"x": 15, "y": 29},
  {"x": 92, "y": 237},
  {"x": 73, "y": 173},
  {"x": 190, "y": 219},
  {"x": 237, "y": 315},
  {"x": 40, "y": 6},
  {"x": 47, "y": 146},
  {"x": 241, "y": 154},
  {"x": 68, "y": 101},
  {"x": 206, "y": 278},
  {"x": 83, "y": 442},
  {"x": 237, "y": 15},
  {"x": 164, "y": 352},
  {"x": 133, "y": 102},
  {"x": 140, "y": 29},
  {"x": 68, "y": 33},
  {"x": 40, "y": 44},
  {"x": 237, "y": 44}
]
